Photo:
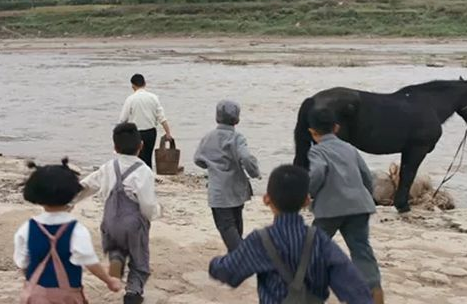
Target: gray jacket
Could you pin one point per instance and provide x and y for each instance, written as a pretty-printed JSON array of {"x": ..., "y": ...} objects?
[
  {"x": 225, "y": 154},
  {"x": 341, "y": 183}
]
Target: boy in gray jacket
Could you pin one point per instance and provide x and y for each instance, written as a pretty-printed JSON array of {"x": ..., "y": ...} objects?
[
  {"x": 341, "y": 187},
  {"x": 224, "y": 153}
]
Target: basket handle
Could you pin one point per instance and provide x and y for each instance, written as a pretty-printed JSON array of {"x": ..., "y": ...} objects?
[{"x": 164, "y": 140}]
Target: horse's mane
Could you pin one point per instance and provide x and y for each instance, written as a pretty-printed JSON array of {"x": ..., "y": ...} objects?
[{"x": 436, "y": 85}]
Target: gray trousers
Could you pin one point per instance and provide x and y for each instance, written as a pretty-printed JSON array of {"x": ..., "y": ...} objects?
[
  {"x": 229, "y": 222},
  {"x": 355, "y": 230},
  {"x": 137, "y": 250}
]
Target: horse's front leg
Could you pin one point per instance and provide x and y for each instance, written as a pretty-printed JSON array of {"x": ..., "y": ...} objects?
[
  {"x": 411, "y": 159},
  {"x": 303, "y": 142},
  {"x": 303, "y": 139}
]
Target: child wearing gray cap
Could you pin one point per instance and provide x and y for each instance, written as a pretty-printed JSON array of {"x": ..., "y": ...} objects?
[{"x": 224, "y": 153}]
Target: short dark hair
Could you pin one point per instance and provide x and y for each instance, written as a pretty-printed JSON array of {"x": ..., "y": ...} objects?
[
  {"x": 138, "y": 80},
  {"x": 322, "y": 120},
  {"x": 52, "y": 185},
  {"x": 288, "y": 188},
  {"x": 127, "y": 138}
]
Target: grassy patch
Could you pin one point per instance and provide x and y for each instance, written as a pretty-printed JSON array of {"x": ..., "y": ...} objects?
[{"x": 422, "y": 18}]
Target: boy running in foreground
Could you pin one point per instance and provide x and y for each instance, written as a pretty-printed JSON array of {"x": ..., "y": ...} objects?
[{"x": 326, "y": 266}]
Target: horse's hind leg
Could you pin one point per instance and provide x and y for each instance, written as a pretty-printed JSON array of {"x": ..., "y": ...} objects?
[{"x": 412, "y": 157}]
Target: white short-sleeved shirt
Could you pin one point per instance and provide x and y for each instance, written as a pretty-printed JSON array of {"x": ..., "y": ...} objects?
[
  {"x": 139, "y": 185},
  {"x": 81, "y": 247}
]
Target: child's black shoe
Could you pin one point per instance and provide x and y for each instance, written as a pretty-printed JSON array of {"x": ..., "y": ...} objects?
[{"x": 133, "y": 298}]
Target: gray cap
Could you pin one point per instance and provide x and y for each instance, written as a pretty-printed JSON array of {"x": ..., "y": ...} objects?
[{"x": 228, "y": 112}]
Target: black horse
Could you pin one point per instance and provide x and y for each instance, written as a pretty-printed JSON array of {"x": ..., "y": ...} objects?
[{"x": 407, "y": 121}]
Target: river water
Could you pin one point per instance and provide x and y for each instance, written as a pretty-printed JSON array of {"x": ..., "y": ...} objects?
[{"x": 56, "y": 103}]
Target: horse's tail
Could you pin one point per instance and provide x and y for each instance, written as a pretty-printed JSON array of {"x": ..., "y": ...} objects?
[{"x": 302, "y": 135}]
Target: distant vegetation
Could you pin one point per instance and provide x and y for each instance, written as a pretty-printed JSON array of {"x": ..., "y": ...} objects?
[
  {"x": 58, "y": 18},
  {"x": 25, "y": 4}
]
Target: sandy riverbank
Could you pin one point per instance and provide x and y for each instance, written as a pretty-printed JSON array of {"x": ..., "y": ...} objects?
[{"x": 423, "y": 258}]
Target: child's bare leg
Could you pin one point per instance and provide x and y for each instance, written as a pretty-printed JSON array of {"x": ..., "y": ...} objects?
[{"x": 117, "y": 261}]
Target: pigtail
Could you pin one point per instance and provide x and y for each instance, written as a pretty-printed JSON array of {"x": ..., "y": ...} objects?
[
  {"x": 31, "y": 165},
  {"x": 65, "y": 162}
]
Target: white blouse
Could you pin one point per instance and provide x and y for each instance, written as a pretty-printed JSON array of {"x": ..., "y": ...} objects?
[
  {"x": 81, "y": 247},
  {"x": 139, "y": 185}
]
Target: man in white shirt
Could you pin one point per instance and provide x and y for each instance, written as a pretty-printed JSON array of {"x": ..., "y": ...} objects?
[{"x": 144, "y": 109}]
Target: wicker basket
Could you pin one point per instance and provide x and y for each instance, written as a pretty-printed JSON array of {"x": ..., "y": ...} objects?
[{"x": 167, "y": 160}]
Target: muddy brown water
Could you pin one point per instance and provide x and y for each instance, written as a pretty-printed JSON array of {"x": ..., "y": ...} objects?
[{"x": 57, "y": 102}]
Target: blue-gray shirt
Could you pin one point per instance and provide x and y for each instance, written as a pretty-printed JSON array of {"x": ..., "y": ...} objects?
[
  {"x": 341, "y": 183},
  {"x": 225, "y": 154}
]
